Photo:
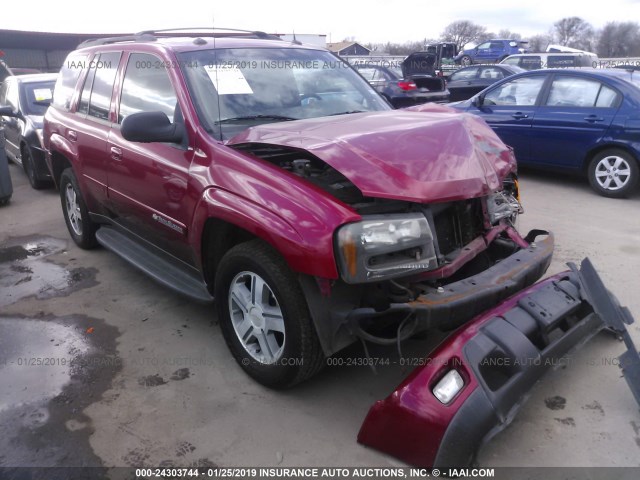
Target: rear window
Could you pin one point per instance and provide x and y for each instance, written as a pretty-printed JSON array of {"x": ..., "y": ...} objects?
[
  {"x": 37, "y": 97},
  {"x": 66, "y": 84}
]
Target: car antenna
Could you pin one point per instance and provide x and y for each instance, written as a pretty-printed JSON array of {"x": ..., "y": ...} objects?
[{"x": 295, "y": 41}]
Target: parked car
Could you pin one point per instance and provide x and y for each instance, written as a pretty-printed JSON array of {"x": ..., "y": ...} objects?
[
  {"x": 311, "y": 224},
  {"x": 492, "y": 51},
  {"x": 577, "y": 120},
  {"x": 401, "y": 92},
  {"x": 534, "y": 61},
  {"x": 28, "y": 96},
  {"x": 467, "y": 81}
]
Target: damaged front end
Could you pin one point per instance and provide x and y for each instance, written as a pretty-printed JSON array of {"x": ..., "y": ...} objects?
[{"x": 473, "y": 384}]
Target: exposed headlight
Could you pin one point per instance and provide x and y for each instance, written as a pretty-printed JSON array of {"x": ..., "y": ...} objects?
[
  {"x": 385, "y": 246},
  {"x": 503, "y": 205},
  {"x": 449, "y": 386}
]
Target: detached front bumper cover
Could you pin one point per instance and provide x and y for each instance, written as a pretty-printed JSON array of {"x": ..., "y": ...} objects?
[{"x": 499, "y": 355}]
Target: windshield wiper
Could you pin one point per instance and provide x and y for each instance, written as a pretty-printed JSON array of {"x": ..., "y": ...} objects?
[
  {"x": 347, "y": 112},
  {"x": 255, "y": 117}
]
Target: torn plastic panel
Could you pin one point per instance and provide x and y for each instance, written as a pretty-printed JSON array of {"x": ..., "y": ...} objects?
[{"x": 499, "y": 356}]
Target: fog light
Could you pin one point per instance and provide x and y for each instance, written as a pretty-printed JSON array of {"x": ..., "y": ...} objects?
[{"x": 448, "y": 387}]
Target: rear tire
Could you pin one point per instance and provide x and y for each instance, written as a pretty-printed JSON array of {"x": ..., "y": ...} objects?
[
  {"x": 613, "y": 173},
  {"x": 76, "y": 215},
  {"x": 264, "y": 316}
]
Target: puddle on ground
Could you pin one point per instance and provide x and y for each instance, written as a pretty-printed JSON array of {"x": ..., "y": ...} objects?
[
  {"x": 51, "y": 369},
  {"x": 26, "y": 270},
  {"x": 36, "y": 358}
]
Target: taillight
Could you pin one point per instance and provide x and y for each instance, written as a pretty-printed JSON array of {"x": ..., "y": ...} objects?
[{"x": 406, "y": 86}]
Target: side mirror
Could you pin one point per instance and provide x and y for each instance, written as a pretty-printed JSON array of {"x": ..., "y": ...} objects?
[
  {"x": 7, "y": 111},
  {"x": 147, "y": 127},
  {"x": 477, "y": 101}
]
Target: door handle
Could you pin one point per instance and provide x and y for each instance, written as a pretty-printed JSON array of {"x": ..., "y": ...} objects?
[
  {"x": 520, "y": 115},
  {"x": 593, "y": 118},
  {"x": 116, "y": 153},
  {"x": 73, "y": 136}
]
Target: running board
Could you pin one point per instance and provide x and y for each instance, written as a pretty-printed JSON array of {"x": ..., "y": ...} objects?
[{"x": 153, "y": 264}]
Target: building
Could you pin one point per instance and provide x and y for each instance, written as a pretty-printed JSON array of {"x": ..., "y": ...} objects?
[{"x": 348, "y": 48}]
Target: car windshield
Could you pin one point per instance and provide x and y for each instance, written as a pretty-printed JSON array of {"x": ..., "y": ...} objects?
[
  {"x": 234, "y": 89},
  {"x": 37, "y": 97}
]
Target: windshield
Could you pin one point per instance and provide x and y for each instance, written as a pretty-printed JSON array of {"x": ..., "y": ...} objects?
[
  {"x": 38, "y": 97},
  {"x": 234, "y": 89}
]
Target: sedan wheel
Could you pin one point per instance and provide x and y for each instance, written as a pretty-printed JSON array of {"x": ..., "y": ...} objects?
[{"x": 613, "y": 173}]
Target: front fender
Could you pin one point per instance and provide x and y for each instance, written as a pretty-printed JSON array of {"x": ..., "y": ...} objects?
[{"x": 311, "y": 256}]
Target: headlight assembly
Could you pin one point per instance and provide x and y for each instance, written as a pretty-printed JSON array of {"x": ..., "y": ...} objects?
[{"x": 385, "y": 246}]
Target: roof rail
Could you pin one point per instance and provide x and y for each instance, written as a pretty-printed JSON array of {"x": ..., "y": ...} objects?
[
  {"x": 215, "y": 32},
  {"x": 138, "y": 37}
]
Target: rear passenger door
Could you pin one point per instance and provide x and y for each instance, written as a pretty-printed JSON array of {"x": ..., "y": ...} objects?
[
  {"x": 90, "y": 125},
  {"x": 574, "y": 116},
  {"x": 148, "y": 182}
]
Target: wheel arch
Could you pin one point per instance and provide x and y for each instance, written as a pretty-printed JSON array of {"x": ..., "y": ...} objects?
[
  {"x": 223, "y": 220},
  {"x": 58, "y": 164},
  {"x": 591, "y": 154}
]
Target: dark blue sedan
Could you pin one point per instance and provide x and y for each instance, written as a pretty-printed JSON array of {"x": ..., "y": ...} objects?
[{"x": 585, "y": 121}]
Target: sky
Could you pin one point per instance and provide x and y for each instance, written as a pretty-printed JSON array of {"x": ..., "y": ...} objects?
[{"x": 366, "y": 21}]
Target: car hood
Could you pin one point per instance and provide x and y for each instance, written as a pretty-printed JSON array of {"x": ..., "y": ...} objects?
[{"x": 424, "y": 154}]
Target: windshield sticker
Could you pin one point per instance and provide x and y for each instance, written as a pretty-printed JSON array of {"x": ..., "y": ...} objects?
[
  {"x": 228, "y": 79},
  {"x": 42, "y": 94}
]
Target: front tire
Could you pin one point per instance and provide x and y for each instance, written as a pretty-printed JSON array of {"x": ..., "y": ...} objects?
[
  {"x": 613, "y": 173},
  {"x": 465, "y": 61},
  {"x": 76, "y": 215},
  {"x": 264, "y": 316},
  {"x": 30, "y": 169}
]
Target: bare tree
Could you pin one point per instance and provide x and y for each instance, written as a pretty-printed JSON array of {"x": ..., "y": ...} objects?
[
  {"x": 462, "y": 32},
  {"x": 619, "y": 39},
  {"x": 507, "y": 34},
  {"x": 574, "y": 32},
  {"x": 539, "y": 43}
]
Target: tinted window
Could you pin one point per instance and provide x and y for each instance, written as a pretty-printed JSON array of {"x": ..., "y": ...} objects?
[
  {"x": 580, "y": 92},
  {"x": 559, "y": 61},
  {"x": 464, "y": 74},
  {"x": 531, "y": 62},
  {"x": 83, "y": 105},
  {"x": 66, "y": 84},
  {"x": 521, "y": 91},
  {"x": 511, "y": 61},
  {"x": 491, "y": 73},
  {"x": 106, "y": 67},
  {"x": 146, "y": 88}
]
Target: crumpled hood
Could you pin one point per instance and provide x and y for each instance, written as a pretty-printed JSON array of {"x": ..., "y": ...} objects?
[{"x": 422, "y": 154}]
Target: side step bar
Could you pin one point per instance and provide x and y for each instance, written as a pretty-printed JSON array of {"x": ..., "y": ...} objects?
[{"x": 154, "y": 264}]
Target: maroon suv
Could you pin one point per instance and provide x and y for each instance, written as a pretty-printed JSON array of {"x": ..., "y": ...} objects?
[{"x": 271, "y": 176}]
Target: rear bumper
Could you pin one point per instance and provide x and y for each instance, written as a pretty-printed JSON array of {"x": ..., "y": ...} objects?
[{"x": 500, "y": 355}]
